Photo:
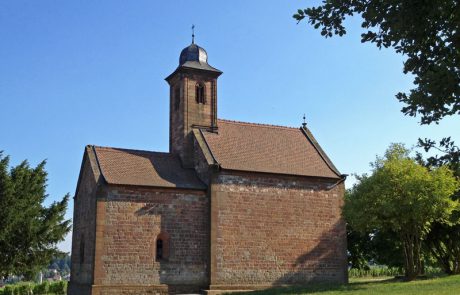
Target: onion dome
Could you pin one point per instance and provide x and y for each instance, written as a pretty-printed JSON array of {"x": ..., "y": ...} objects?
[
  {"x": 193, "y": 52},
  {"x": 195, "y": 57}
]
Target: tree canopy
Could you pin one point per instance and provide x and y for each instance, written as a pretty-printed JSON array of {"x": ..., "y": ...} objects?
[
  {"x": 443, "y": 240},
  {"x": 402, "y": 197},
  {"x": 425, "y": 32},
  {"x": 29, "y": 231}
]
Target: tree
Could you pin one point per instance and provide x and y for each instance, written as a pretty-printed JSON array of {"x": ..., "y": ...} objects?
[
  {"x": 29, "y": 231},
  {"x": 426, "y": 32},
  {"x": 359, "y": 249},
  {"x": 379, "y": 247},
  {"x": 404, "y": 198},
  {"x": 443, "y": 240}
]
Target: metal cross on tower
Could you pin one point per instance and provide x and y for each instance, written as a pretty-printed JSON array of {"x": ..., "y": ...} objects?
[{"x": 193, "y": 34}]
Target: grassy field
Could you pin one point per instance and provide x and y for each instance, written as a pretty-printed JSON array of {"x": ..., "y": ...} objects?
[{"x": 439, "y": 286}]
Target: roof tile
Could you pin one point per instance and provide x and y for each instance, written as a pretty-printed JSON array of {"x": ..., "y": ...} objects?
[
  {"x": 268, "y": 148},
  {"x": 144, "y": 168}
]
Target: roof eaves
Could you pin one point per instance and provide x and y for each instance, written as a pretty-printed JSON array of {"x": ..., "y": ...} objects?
[
  {"x": 320, "y": 151},
  {"x": 206, "y": 69},
  {"x": 98, "y": 164},
  {"x": 196, "y": 188},
  {"x": 85, "y": 158},
  {"x": 276, "y": 173}
]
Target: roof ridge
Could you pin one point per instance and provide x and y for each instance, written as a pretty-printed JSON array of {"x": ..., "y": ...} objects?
[
  {"x": 259, "y": 124},
  {"x": 119, "y": 150}
]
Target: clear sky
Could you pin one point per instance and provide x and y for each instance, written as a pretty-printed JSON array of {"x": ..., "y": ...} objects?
[{"x": 74, "y": 73}]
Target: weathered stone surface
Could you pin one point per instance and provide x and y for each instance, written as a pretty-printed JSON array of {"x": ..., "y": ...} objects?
[
  {"x": 84, "y": 221},
  {"x": 133, "y": 220},
  {"x": 276, "y": 230}
]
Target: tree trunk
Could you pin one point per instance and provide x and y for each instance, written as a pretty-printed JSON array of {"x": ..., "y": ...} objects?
[{"x": 412, "y": 261}]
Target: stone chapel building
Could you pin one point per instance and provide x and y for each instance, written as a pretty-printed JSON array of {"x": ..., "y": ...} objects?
[{"x": 231, "y": 206}]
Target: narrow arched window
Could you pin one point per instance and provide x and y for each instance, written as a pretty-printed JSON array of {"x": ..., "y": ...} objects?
[
  {"x": 176, "y": 98},
  {"x": 159, "y": 254},
  {"x": 82, "y": 249},
  {"x": 200, "y": 93},
  {"x": 162, "y": 245}
]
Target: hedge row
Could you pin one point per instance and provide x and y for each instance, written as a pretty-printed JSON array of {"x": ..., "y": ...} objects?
[
  {"x": 383, "y": 271},
  {"x": 57, "y": 288}
]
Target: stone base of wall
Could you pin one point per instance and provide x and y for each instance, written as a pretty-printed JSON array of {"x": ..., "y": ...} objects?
[
  {"x": 224, "y": 289},
  {"x": 78, "y": 289},
  {"x": 144, "y": 290}
]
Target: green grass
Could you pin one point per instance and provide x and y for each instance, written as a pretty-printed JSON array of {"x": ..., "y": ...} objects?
[{"x": 435, "y": 286}]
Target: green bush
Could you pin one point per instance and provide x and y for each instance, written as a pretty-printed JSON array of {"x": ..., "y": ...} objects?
[
  {"x": 58, "y": 288},
  {"x": 383, "y": 271},
  {"x": 41, "y": 289},
  {"x": 9, "y": 290},
  {"x": 24, "y": 289}
]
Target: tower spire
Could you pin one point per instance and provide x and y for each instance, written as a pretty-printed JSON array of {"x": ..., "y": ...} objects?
[
  {"x": 193, "y": 34},
  {"x": 304, "y": 124}
]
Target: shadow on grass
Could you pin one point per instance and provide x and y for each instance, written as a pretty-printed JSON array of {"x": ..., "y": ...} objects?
[{"x": 320, "y": 287}]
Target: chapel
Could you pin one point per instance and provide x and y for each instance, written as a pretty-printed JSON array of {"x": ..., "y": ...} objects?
[{"x": 232, "y": 206}]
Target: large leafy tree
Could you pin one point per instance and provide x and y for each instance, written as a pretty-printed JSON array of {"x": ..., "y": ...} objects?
[
  {"x": 29, "y": 231},
  {"x": 404, "y": 198},
  {"x": 443, "y": 240},
  {"x": 381, "y": 247},
  {"x": 425, "y": 32}
]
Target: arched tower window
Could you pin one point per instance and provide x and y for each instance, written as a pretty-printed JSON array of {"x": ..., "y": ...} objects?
[{"x": 200, "y": 93}]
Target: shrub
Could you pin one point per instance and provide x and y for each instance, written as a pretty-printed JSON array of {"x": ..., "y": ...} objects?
[
  {"x": 25, "y": 289},
  {"x": 384, "y": 271},
  {"x": 9, "y": 290},
  {"x": 41, "y": 289},
  {"x": 58, "y": 288},
  {"x": 375, "y": 272}
]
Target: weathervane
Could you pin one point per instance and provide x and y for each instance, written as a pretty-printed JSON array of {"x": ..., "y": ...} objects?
[
  {"x": 193, "y": 34},
  {"x": 304, "y": 124}
]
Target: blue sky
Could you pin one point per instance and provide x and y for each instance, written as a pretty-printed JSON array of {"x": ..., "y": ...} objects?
[{"x": 92, "y": 72}]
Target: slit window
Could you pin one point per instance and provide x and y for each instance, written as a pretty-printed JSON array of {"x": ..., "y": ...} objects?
[
  {"x": 82, "y": 249},
  {"x": 176, "y": 98},
  {"x": 159, "y": 254},
  {"x": 200, "y": 93}
]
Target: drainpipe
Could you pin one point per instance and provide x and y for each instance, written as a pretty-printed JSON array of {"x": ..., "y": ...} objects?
[{"x": 343, "y": 177}]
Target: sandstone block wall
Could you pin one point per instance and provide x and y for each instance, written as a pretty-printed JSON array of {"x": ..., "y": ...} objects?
[
  {"x": 84, "y": 223},
  {"x": 190, "y": 112},
  {"x": 132, "y": 221},
  {"x": 270, "y": 230}
]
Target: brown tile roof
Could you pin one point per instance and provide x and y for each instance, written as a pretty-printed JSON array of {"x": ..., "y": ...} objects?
[
  {"x": 268, "y": 148},
  {"x": 134, "y": 167}
]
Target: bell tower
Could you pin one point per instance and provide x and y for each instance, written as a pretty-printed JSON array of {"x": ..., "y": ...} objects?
[{"x": 193, "y": 100}]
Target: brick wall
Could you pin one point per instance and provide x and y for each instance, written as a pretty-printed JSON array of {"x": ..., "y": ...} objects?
[
  {"x": 276, "y": 230},
  {"x": 132, "y": 220}
]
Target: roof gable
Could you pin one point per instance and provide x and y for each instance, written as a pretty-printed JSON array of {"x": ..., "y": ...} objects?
[
  {"x": 144, "y": 168},
  {"x": 267, "y": 148}
]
